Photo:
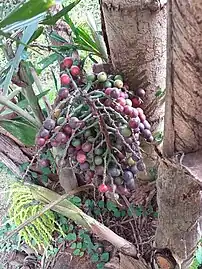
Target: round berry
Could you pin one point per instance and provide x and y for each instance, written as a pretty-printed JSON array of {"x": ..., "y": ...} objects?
[
  {"x": 63, "y": 93},
  {"x": 102, "y": 77},
  {"x": 125, "y": 131},
  {"x": 68, "y": 62},
  {"x": 44, "y": 133},
  {"x": 129, "y": 102},
  {"x": 147, "y": 124},
  {"x": 118, "y": 83},
  {"x": 86, "y": 147},
  {"x": 74, "y": 122},
  {"x": 61, "y": 138},
  {"x": 136, "y": 102},
  {"x": 140, "y": 93},
  {"x": 81, "y": 157},
  {"x": 115, "y": 93},
  {"x": 75, "y": 70},
  {"x": 108, "y": 91},
  {"x": 67, "y": 129},
  {"x": 121, "y": 101},
  {"x": 98, "y": 160},
  {"x": 103, "y": 188},
  {"x": 44, "y": 162},
  {"x": 49, "y": 124},
  {"x": 40, "y": 141},
  {"x": 134, "y": 123},
  {"x": 65, "y": 79}
]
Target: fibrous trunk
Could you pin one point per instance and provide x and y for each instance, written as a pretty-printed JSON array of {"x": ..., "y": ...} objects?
[{"x": 179, "y": 181}]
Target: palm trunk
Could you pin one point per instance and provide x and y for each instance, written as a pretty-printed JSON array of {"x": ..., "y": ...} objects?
[{"x": 178, "y": 184}]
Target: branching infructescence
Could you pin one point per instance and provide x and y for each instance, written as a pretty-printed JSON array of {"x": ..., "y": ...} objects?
[{"x": 96, "y": 124}]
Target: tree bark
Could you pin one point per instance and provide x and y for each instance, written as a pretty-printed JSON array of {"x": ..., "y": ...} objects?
[
  {"x": 179, "y": 181},
  {"x": 136, "y": 37}
]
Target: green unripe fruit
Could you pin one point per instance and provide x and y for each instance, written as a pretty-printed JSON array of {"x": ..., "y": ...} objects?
[
  {"x": 107, "y": 84},
  {"x": 87, "y": 133},
  {"x": 102, "y": 77},
  {"x": 125, "y": 131},
  {"x": 91, "y": 77},
  {"x": 119, "y": 77},
  {"x": 118, "y": 83},
  {"x": 76, "y": 142},
  {"x": 99, "y": 151},
  {"x": 91, "y": 139},
  {"x": 118, "y": 181},
  {"x": 61, "y": 120},
  {"x": 98, "y": 160}
]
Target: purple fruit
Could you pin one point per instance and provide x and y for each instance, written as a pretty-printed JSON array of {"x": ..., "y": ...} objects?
[
  {"x": 71, "y": 150},
  {"x": 61, "y": 138},
  {"x": 115, "y": 93},
  {"x": 86, "y": 147},
  {"x": 74, "y": 122},
  {"x": 128, "y": 175},
  {"x": 63, "y": 93},
  {"x": 141, "y": 126},
  {"x": 49, "y": 124},
  {"x": 130, "y": 184},
  {"x": 140, "y": 93},
  {"x": 134, "y": 123},
  {"x": 134, "y": 169},
  {"x": 114, "y": 172},
  {"x": 129, "y": 140},
  {"x": 99, "y": 170},
  {"x": 150, "y": 139},
  {"x": 146, "y": 133},
  {"x": 140, "y": 165},
  {"x": 44, "y": 133},
  {"x": 84, "y": 166},
  {"x": 67, "y": 129},
  {"x": 146, "y": 125}
]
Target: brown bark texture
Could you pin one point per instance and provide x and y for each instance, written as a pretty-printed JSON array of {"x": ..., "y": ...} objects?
[
  {"x": 136, "y": 37},
  {"x": 183, "y": 119},
  {"x": 179, "y": 201}
]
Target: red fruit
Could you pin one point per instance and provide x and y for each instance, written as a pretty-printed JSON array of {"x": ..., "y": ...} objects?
[
  {"x": 122, "y": 94},
  {"x": 86, "y": 147},
  {"x": 108, "y": 91},
  {"x": 134, "y": 123},
  {"x": 68, "y": 62},
  {"x": 142, "y": 117},
  {"x": 103, "y": 188},
  {"x": 128, "y": 110},
  {"x": 81, "y": 157},
  {"x": 65, "y": 79},
  {"x": 54, "y": 143},
  {"x": 136, "y": 102},
  {"x": 119, "y": 108},
  {"x": 140, "y": 111},
  {"x": 67, "y": 129},
  {"x": 40, "y": 141},
  {"x": 121, "y": 101},
  {"x": 75, "y": 70},
  {"x": 108, "y": 102},
  {"x": 134, "y": 113}
]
